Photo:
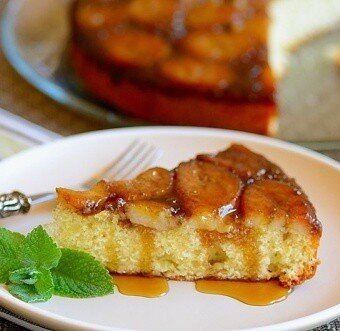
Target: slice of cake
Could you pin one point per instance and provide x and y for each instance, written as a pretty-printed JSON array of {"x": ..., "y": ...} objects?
[{"x": 233, "y": 215}]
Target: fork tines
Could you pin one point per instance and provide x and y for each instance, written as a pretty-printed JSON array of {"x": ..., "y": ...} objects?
[{"x": 137, "y": 157}]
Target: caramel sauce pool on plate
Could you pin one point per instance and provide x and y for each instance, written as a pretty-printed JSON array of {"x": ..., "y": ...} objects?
[
  {"x": 251, "y": 293},
  {"x": 148, "y": 287}
]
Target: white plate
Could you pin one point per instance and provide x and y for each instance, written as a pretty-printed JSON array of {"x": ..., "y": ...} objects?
[{"x": 69, "y": 161}]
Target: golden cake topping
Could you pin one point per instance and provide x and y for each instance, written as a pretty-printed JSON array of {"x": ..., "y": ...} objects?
[{"x": 213, "y": 192}]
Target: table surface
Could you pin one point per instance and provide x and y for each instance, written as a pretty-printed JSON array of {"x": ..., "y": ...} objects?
[{"x": 19, "y": 97}]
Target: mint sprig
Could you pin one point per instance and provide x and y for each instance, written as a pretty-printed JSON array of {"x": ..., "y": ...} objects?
[
  {"x": 28, "y": 293},
  {"x": 35, "y": 268},
  {"x": 31, "y": 284},
  {"x": 28, "y": 276}
]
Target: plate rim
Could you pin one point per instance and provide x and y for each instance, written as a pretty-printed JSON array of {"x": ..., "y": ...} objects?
[
  {"x": 39, "y": 314},
  {"x": 188, "y": 130},
  {"x": 80, "y": 105}
]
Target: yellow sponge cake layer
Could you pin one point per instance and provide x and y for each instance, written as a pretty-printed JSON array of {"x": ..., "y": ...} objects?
[{"x": 267, "y": 251}]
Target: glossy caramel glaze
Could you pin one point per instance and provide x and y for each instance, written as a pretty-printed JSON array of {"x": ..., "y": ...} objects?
[
  {"x": 228, "y": 186},
  {"x": 251, "y": 293},
  {"x": 201, "y": 185},
  {"x": 212, "y": 49},
  {"x": 247, "y": 165}
]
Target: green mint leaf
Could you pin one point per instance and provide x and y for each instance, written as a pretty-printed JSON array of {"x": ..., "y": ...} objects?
[
  {"x": 31, "y": 284},
  {"x": 10, "y": 247},
  {"x": 27, "y": 276},
  {"x": 28, "y": 293},
  {"x": 40, "y": 250},
  {"x": 80, "y": 275},
  {"x": 44, "y": 283},
  {"x": 40, "y": 278}
]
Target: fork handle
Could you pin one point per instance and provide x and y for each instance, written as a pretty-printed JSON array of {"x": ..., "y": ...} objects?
[{"x": 14, "y": 203}]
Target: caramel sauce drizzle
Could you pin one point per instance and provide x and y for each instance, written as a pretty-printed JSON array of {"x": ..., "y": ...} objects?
[
  {"x": 147, "y": 240},
  {"x": 245, "y": 238},
  {"x": 251, "y": 252},
  {"x": 111, "y": 253},
  {"x": 148, "y": 287},
  {"x": 251, "y": 293}
]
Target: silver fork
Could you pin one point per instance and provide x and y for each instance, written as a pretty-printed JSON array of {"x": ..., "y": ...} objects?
[{"x": 135, "y": 158}]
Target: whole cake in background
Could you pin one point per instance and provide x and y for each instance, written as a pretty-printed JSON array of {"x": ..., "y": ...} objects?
[
  {"x": 193, "y": 62},
  {"x": 178, "y": 62}
]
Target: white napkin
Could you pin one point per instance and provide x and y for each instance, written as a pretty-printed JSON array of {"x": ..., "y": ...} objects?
[{"x": 17, "y": 134}]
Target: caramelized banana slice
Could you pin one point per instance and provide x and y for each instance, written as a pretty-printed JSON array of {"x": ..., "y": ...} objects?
[
  {"x": 151, "y": 184},
  {"x": 248, "y": 165},
  {"x": 154, "y": 183},
  {"x": 281, "y": 203},
  {"x": 217, "y": 46},
  {"x": 207, "y": 15},
  {"x": 85, "y": 202},
  {"x": 153, "y": 13},
  {"x": 204, "y": 187},
  {"x": 193, "y": 73},
  {"x": 134, "y": 48},
  {"x": 152, "y": 214},
  {"x": 94, "y": 16}
]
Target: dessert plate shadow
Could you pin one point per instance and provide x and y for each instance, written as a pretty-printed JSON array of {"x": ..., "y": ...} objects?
[{"x": 69, "y": 161}]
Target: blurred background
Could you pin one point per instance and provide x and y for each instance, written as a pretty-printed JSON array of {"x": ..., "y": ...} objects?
[
  {"x": 21, "y": 98},
  {"x": 39, "y": 82}
]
